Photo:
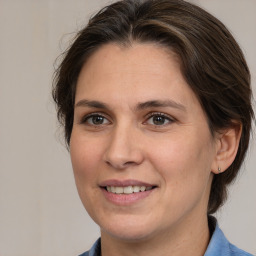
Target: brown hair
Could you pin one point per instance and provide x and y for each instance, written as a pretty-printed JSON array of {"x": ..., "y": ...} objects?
[{"x": 211, "y": 61}]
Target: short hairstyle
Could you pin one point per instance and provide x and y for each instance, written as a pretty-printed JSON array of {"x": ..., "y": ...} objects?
[{"x": 212, "y": 64}]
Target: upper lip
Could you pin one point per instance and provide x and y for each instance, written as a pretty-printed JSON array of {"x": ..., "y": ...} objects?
[{"x": 124, "y": 183}]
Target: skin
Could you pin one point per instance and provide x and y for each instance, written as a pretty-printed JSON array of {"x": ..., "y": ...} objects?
[{"x": 177, "y": 155}]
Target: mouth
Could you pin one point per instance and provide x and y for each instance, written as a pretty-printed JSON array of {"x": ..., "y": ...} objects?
[
  {"x": 127, "y": 189},
  {"x": 126, "y": 192}
]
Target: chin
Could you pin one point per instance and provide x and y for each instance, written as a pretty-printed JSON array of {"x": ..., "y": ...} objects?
[
  {"x": 128, "y": 235},
  {"x": 128, "y": 230}
]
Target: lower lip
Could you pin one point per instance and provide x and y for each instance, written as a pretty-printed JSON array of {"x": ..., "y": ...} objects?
[{"x": 126, "y": 199}]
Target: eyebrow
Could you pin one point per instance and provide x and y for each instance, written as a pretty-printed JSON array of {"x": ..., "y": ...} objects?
[
  {"x": 160, "y": 103},
  {"x": 91, "y": 104},
  {"x": 139, "y": 106}
]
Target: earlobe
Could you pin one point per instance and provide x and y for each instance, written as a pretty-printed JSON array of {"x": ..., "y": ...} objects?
[{"x": 227, "y": 147}]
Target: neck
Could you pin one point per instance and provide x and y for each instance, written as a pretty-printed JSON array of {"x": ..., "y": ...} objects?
[{"x": 191, "y": 236}]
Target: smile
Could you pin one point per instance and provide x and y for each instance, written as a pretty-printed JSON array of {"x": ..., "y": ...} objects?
[
  {"x": 126, "y": 192},
  {"x": 127, "y": 189}
]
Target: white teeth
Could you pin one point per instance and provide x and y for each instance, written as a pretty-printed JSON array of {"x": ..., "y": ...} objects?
[
  {"x": 136, "y": 189},
  {"x": 119, "y": 190},
  {"x": 128, "y": 189},
  {"x": 143, "y": 188}
]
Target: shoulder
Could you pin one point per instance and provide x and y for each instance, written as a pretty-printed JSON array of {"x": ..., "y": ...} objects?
[
  {"x": 234, "y": 251},
  {"x": 85, "y": 254},
  {"x": 94, "y": 251},
  {"x": 220, "y": 246}
]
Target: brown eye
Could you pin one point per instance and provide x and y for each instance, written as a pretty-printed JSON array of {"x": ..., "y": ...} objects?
[
  {"x": 95, "y": 120},
  {"x": 159, "y": 119}
]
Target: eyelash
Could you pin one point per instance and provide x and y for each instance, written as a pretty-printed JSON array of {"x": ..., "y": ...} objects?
[
  {"x": 150, "y": 115},
  {"x": 87, "y": 117},
  {"x": 159, "y": 114}
]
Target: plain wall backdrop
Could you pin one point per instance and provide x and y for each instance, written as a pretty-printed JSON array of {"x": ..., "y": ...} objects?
[{"x": 40, "y": 211}]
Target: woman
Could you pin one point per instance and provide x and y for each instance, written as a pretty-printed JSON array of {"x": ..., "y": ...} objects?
[{"x": 155, "y": 100}]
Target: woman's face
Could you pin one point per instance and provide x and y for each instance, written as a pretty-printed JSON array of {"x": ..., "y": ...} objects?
[{"x": 141, "y": 149}]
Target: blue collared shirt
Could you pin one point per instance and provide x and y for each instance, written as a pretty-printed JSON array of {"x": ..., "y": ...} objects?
[{"x": 218, "y": 246}]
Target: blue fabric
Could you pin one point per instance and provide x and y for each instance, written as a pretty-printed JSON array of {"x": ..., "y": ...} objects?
[
  {"x": 218, "y": 246},
  {"x": 94, "y": 251}
]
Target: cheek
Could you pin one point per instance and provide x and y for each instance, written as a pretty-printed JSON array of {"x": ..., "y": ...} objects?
[
  {"x": 184, "y": 161},
  {"x": 185, "y": 173},
  {"x": 85, "y": 162},
  {"x": 85, "y": 157}
]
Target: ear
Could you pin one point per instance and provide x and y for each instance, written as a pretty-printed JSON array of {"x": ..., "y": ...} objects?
[{"x": 227, "y": 143}]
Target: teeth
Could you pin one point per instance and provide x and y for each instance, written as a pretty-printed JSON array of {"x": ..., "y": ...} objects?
[
  {"x": 113, "y": 189},
  {"x": 128, "y": 189},
  {"x": 136, "y": 189},
  {"x": 119, "y": 190},
  {"x": 143, "y": 188}
]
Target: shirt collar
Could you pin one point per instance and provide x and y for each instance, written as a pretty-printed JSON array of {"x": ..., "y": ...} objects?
[
  {"x": 218, "y": 245},
  {"x": 96, "y": 249}
]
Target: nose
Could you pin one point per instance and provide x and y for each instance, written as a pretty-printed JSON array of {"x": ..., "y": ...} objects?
[{"x": 123, "y": 149}]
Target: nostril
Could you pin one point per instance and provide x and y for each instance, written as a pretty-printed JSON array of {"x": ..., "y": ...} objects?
[
  {"x": 129, "y": 163},
  {"x": 108, "y": 163},
  {"x": 120, "y": 164}
]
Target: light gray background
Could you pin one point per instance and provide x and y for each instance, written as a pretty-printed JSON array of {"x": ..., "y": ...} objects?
[{"x": 40, "y": 212}]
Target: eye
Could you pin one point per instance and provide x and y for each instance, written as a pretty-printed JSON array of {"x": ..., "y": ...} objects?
[
  {"x": 159, "y": 119},
  {"x": 95, "y": 119}
]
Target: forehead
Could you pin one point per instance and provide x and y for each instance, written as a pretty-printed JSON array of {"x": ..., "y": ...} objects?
[
  {"x": 145, "y": 57},
  {"x": 129, "y": 75}
]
